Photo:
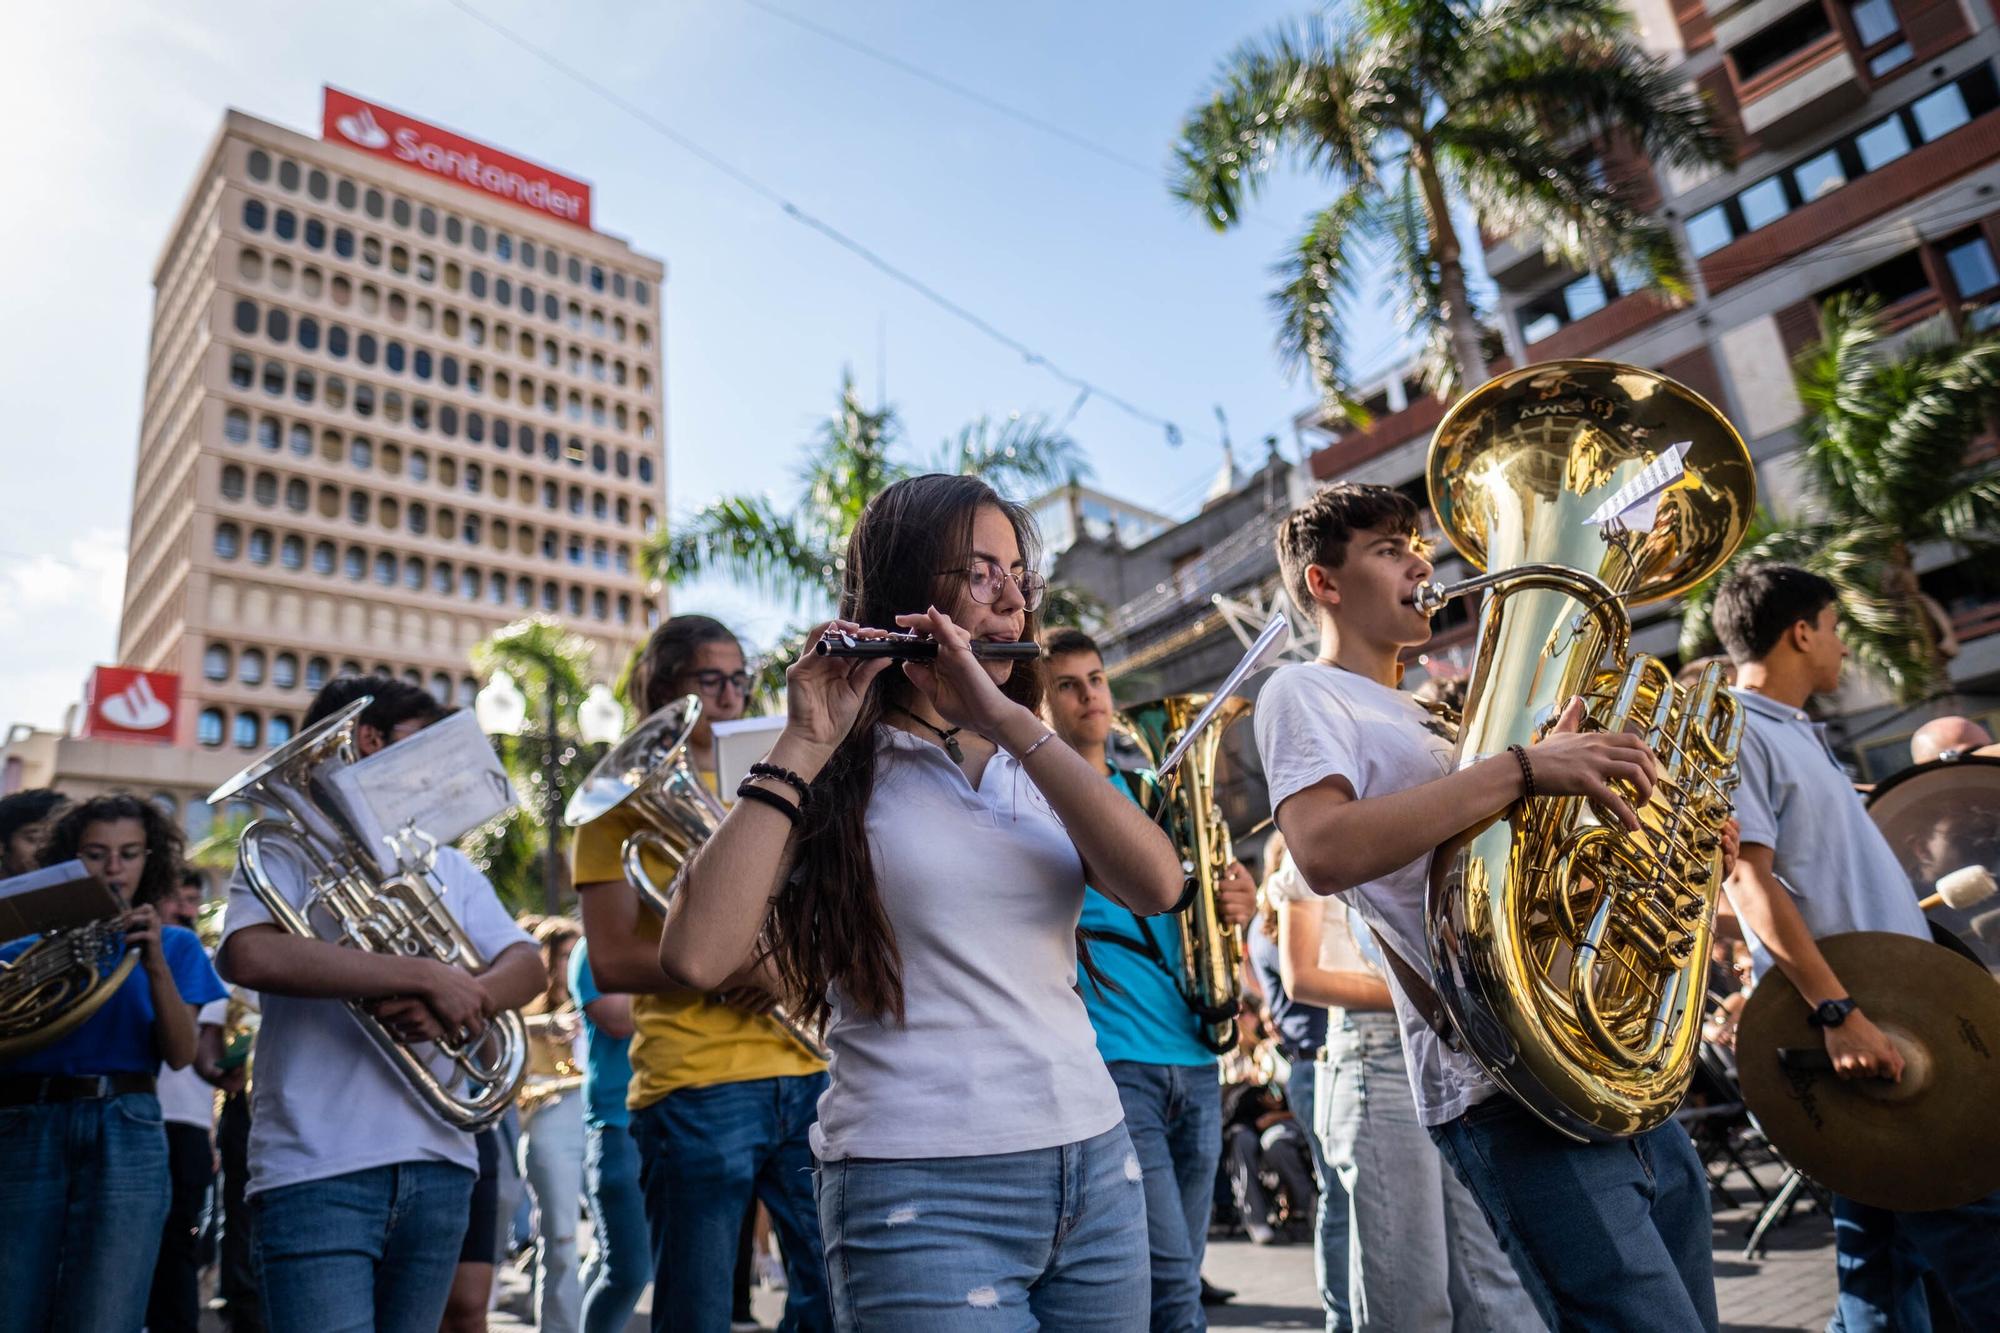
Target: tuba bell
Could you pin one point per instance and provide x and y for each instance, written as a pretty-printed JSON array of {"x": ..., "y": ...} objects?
[
  {"x": 402, "y": 914},
  {"x": 56, "y": 984},
  {"x": 1569, "y": 954},
  {"x": 1211, "y": 948},
  {"x": 648, "y": 776}
]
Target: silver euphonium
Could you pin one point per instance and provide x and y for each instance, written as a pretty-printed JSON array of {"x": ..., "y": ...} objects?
[
  {"x": 647, "y": 775},
  {"x": 465, "y": 1081}
]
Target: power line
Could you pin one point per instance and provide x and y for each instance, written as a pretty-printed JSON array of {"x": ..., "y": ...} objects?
[{"x": 832, "y": 233}]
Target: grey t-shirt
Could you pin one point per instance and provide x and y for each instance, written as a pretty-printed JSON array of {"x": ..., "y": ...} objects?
[
  {"x": 1316, "y": 721},
  {"x": 983, "y": 889},
  {"x": 1794, "y": 798}
]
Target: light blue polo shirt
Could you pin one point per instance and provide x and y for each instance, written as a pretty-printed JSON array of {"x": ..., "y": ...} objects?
[
  {"x": 1795, "y": 798},
  {"x": 607, "y": 1060},
  {"x": 1145, "y": 1020}
]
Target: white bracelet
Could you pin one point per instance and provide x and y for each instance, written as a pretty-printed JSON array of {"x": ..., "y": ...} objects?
[{"x": 1047, "y": 736}]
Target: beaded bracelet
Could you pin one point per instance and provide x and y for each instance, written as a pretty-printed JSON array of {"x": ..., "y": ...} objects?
[
  {"x": 748, "y": 792},
  {"x": 786, "y": 776},
  {"x": 1520, "y": 753},
  {"x": 1046, "y": 737}
]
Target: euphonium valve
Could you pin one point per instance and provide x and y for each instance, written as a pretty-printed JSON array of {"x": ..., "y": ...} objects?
[{"x": 1570, "y": 953}]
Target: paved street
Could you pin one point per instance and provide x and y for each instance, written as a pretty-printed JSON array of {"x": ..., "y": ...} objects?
[{"x": 1789, "y": 1288}]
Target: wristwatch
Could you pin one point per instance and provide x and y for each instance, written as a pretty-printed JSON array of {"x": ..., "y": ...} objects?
[{"x": 1831, "y": 1013}]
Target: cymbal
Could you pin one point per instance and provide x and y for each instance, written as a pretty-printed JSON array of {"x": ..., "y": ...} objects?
[{"x": 1922, "y": 1143}]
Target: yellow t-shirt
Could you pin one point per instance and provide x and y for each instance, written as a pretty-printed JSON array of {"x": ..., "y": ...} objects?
[{"x": 683, "y": 1039}]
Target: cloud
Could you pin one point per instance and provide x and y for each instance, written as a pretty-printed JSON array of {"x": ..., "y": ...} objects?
[{"x": 60, "y": 610}]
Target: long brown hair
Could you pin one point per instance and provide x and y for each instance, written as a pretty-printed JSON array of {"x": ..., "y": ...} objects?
[
  {"x": 828, "y": 925},
  {"x": 160, "y": 878}
]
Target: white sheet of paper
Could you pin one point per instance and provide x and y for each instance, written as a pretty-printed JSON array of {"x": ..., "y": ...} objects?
[
  {"x": 739, "y": 744},
  {"x": 446, "y": 780},
  {"x": 1634, "y": 506}
]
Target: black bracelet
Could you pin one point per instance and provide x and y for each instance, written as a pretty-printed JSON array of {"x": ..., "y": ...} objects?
[
  {"x": 786, "y": 776},
  {"x": 747, "y": 792},
  {"x": 1520, "y": 753}
]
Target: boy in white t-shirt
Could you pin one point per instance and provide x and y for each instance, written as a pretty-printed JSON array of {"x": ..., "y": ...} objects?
[
  {"x": 360, "y": 1192},
  {"x": 1609, "y": 1235}
]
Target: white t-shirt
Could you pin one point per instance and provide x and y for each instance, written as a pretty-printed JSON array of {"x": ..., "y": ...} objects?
[
  {"x": 1316, "y": 721},
  {"x": 185, "y": 1097},
  {"x": 325, "y": 1101},
  {"x": 983, "y": 889}
]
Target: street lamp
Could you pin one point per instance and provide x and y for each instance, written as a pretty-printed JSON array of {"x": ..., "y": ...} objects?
[{"x": 502, "y": 710}]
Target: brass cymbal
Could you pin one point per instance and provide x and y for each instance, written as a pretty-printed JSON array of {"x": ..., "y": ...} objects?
[{"x": 1925, "y": 1142}]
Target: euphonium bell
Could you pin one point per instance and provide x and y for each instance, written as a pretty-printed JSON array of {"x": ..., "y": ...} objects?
[
  {"x": 1211, "y": 948},
  {"x": 1570, "y": 954}
]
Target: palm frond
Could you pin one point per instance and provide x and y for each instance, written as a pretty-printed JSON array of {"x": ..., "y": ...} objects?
[
  {"x": 1073, "y": 605},
  {"x": 1316, "y": 277},
  {"x": 1970, "y": 512},
  {"x": 1544, "y": 83},
  {"x": 1015, "y": 455},
  {"x": 1264, "y": 95},
  {"x": 746, "y": 539}
]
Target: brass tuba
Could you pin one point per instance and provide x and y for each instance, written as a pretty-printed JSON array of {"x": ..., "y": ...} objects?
[
  {"x": 648, "y": 775},
  {"x": 1211, "y": 949},
  {"x": 57, "y": 983},
  {"x": 1569, "y": 954},
  {"x": 401, "y": 915}
]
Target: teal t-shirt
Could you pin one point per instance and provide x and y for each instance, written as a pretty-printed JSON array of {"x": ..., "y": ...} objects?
[
  {"x": 1145, "y": 1020},
  {"x": 607, "y": 1062}
]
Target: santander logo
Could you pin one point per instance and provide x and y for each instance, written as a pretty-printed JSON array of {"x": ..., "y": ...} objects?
[
  {"x": 136, "y": 708},
  {"x": 411, "y": 143},
  {"x": 361, "y": 128}
]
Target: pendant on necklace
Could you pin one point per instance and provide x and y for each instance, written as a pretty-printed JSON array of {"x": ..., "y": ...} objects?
[{"x": 952, "y": 748}]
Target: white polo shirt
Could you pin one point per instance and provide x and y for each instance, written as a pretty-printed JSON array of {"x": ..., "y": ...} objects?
[
  {"x": 326, "y": 1101},
  {"x": 983, "y": 890},
  {"x": 1794, "y": 797}
]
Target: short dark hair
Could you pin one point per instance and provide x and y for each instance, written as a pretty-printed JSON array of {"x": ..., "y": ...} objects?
[
  {"x": 1758, "y": 603},
  {"x": 395, "y": 701},
  {"x": 26, "y": 808},
  {"x": 164, "y": 844},
  {"x": 1317, "y": 532},
  {"x": 1065, "y": 641}
]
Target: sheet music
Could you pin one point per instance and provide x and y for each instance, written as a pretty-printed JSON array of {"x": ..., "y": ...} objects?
[
  {"x": 1275, "y": 637},
  {"x": 739, "y": 744},
  {"x": 57, "y": 897},
  {"x": 446, "y": 780},
  {"x": 1635, "y": 506}
]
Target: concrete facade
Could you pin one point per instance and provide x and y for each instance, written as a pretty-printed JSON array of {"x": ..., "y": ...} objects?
[{"x": 384, "y": 415}]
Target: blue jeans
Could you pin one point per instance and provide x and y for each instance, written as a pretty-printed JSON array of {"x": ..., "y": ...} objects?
[
  {"x": 704, "y": 1153},
  {"x": 1882, "y": 1256},
  {"x": 1604, "y": 1235},
  {"x": 1173, "y": 1114},
  {"x": 1421, "y": 1255},
  {"x": 368, "y": 1252},
  {"x": 552, "y": 1164},
  {"x": 1049, "y": 1238},
  {"x": 1330, "y": 1213},
  {"x": 83, "y": 1193},
  {"x": 619, "y": 1268}
]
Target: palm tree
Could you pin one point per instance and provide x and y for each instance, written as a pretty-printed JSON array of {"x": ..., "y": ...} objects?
[
  {"x": 795, "y": 555},
  {"x": 1415, "y": 108},
  {"x": 1885, "y": 437},
  {"x": 550, "y": 664}
]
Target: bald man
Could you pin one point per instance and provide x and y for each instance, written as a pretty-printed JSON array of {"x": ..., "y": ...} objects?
[{"x": 1949, "y": 735}]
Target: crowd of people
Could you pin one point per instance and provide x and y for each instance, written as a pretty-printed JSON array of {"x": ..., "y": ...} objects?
[{"x": 908, "y": 1036}]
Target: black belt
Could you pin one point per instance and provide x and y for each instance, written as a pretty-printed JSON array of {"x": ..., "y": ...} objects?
[{"x": 32, "y": 1089}]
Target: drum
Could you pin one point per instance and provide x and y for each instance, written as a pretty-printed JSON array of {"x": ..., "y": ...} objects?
[{"x": 1941, "y": 817}]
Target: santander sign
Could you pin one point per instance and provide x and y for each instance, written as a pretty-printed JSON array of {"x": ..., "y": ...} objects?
[{"x": 372, "y": 128}]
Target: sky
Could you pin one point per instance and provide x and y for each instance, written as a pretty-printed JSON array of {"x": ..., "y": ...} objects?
[{"x": 1073, "y": 248}]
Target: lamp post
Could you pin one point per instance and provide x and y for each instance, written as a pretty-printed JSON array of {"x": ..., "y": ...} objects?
[{"x": 502, "y": 710}]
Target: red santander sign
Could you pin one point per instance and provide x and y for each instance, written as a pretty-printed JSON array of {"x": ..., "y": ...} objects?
[
  {"x": 127, "y": 704},
  {"x": 372, "y": 128}
]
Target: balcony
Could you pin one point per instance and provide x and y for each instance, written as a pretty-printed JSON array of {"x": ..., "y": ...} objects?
[
  {"x": 1802, "y": 93},
  {"x": 1515, "y": 261}
]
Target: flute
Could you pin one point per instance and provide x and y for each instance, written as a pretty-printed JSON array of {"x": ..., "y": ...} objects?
[{"x": 916, "y": 648}]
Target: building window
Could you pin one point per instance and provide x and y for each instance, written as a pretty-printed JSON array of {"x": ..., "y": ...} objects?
[
  {"x": 254, "y": 215},
  {"x": 232, "y": 482},
  {"x": 354, "y": 564},
  {"x": 1900, "y": 279},
  {"x": 385, "y": 569},
  {"x": 292, "y": 552},
  {"x": 1976, "y": 277},
  {"x": 260, "y": 547},
  {"x": 215, "y": 663},
  {"x": 316, "y": 673},
  {"x": 646, "y": 469},
  {"x": 1882, "y": 143},
  {"x": 323, "y": 558},
  {"x": 1772, "y": 46},
  {"x": 246, "y": 731},
  {"x": 280, "y": 729},
  {"x": 285, "y": 671},
  {"x": 250, "y": 666},
  {"x": 228, "y": 540},
  {"x": 208, "y": 727}
]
